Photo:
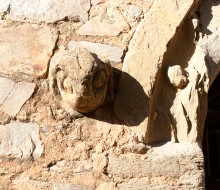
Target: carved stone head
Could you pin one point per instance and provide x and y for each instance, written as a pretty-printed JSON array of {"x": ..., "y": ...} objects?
[{"x": 80, "y": 79}]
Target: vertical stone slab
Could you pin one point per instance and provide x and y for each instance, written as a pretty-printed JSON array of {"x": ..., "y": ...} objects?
[{"x": 144, "y": 59}]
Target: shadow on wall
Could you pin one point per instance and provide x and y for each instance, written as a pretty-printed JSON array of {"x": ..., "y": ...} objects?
[
  {"x": 131, "y": 117},
  {"x": 179, "y": 51}
]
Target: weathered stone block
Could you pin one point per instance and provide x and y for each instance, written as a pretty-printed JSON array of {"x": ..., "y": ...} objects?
[
  {"x": 103, "y": 51},
  {"x": 26, "y": 48},
  {"x": 20, "y": 140},
  {"x": 14, "y": 95},
  {"x": 49, "y": 10}
]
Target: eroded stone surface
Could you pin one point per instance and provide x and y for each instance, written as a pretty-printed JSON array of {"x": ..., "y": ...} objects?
[
  {"x": 103, "y": 51},
  {"x": 14, "y": 95},
  {"x": 20, "y": 140},
  {"x": 143, "y": 60},
  {"x": 110, "y": 23},
  {"x": 178, "y": 163},
  {"x": 26, "y": 48},
  {"x": 177, "y": 77},
  {"x": 80, "y": 79},
  {"x": 48, "y": 10}
]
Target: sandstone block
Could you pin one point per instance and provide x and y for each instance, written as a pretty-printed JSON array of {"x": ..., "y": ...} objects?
[
  {"x": 144, "y": 59},
  {"x": 26, "y": 48},
  {"x": 20, "y": 140}
]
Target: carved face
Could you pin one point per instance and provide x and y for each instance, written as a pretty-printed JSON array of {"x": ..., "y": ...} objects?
[{"x": 81, "y": 80}]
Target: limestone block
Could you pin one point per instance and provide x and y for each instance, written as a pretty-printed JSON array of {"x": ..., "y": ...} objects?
[
  {"x": 103, "y": 51},
  {"x": 110, "y": 23},
  {"x": 49, "y": 10},
  {"x": 20, "y": 140},
  {"x": 14, "y": 95},
  {"x": 144, "y": 59},
  {"x": 26, "y": 48},
  {"x": 80, "y": 79},
  {"x": 163, "y": 166}
]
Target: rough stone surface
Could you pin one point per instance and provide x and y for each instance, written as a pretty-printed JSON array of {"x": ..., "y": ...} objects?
[
  {"x": 26, "y": 48},
  {"x": 103, "y": 51},
  {"x": 20, "y": 140},
  {"x": 14, "y": 95},
  {"x": 81, "y": 79},
  {"x": 170, "y": 56},
  {"x": 177, "y": 77},
  {"x": 111, "y": 23},
  {"x": 48, "y": 11},
  {"x": 176, "y": 162},
  {"x": 143, "y": 60}
]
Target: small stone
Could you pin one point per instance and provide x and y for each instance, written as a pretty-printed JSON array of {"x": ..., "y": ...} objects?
[
  {"x": 103, "y": 51},
  {"x": 99, "y": 162},
  {"x": 133, "y": 10},
  {"x": 49, "y": 10},
  {"x": 26, "y": 49},
  {"x": 99, "y": 148},
  {"x": 138, "y": 148},
  {"x": 20, "y": 140},
  {"x": 177, "y": 77},
  {"x": 14, "y": 95}
]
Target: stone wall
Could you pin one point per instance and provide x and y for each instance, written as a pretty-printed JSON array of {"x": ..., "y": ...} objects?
[{"x": 160, "y": 57}]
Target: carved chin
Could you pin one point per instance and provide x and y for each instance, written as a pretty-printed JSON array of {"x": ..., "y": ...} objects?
[{"x": 82, "y": 104}]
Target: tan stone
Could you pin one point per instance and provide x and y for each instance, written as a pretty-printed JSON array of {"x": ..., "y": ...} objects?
[
  {"x": 99, "y": 162},
  {"x": 144, "y": 59},
  {"x": 106, "y": 186},
  {"x": 177, "y": 77},
  {"x": 26, "y": 48},
  {"x": 172, "y": 160},
  {"x": 80, "y": 79},
  {"x": 95, "y": 2}
]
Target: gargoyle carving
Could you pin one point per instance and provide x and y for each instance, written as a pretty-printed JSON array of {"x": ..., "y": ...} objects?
[{"x": 80, "y": 79}]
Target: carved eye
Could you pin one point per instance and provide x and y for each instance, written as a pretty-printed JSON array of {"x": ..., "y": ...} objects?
[
  {"x": 99, "y": 79},
  {"x": 67, "y": 85}
]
